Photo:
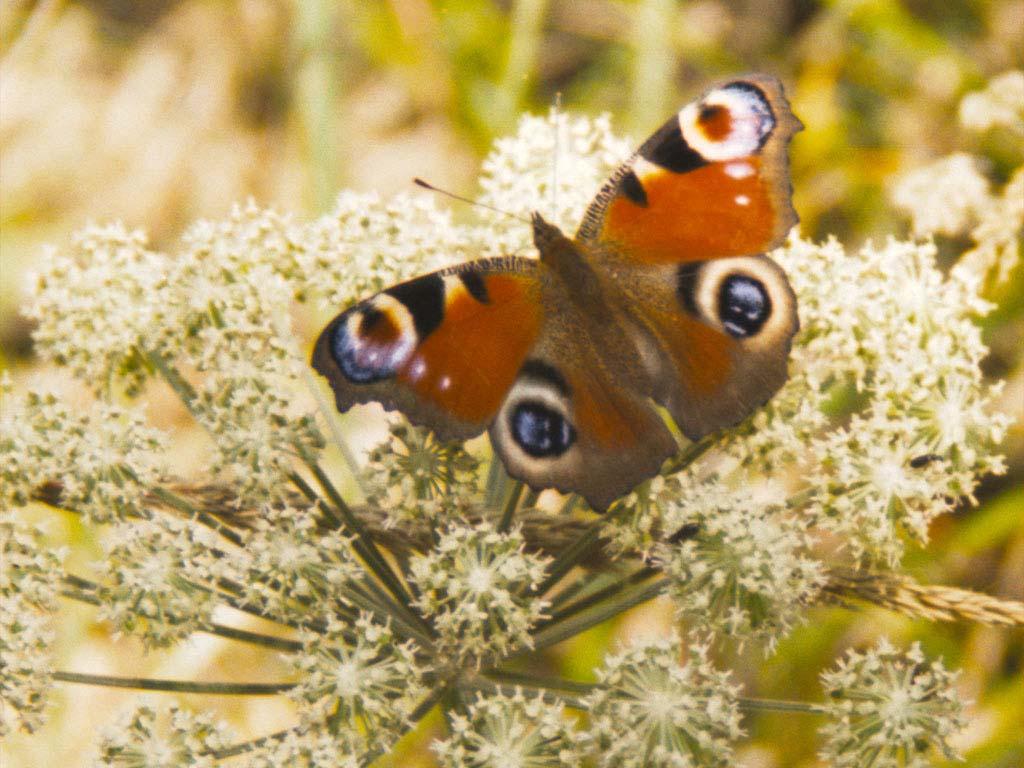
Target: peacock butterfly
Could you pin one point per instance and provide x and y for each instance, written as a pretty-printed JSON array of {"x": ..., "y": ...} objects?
[{"x": 664, "y": 294}]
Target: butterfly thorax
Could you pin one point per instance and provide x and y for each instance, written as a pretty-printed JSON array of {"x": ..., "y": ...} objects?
[{"x": 572, "y": 269}]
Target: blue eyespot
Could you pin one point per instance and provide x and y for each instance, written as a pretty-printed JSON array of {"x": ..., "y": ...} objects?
[
  {"x": 743, "y": 305},
  {"x": 359, "y": 366},
  {"x": 540, "y": 431}
]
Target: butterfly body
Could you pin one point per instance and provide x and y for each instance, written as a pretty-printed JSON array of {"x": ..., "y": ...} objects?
[{"x": 662, "y": 297}]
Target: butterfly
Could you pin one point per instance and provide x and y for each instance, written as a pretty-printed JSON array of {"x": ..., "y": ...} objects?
[{"x": 663, "y": 296}]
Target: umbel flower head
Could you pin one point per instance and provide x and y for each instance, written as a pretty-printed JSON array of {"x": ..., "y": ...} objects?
[
  {"x": 654, "y": 711},
  {"x": 29, "y": 584},
  {"x": 357, "y": 679},
  {"x": 510, "y": 731},
  {"x": 889, "y": 710},
  {"x": 149, "y": 738},
  {"x": 745, "y": 570},
  {"x": 474, "y": 586}
]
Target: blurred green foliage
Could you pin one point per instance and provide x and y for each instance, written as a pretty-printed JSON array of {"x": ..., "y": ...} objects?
[{"x": 162, "y": 111}]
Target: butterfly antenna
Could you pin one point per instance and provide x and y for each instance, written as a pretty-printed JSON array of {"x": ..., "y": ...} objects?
[
  {"x": 427, "y": 185},
  {"x": 557, "y": 110}
]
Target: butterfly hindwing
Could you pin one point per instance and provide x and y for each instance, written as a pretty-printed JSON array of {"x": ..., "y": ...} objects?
[
  {"x": 574, "y": 419},
  {"x": 443, "y": 348},
  {"x": 722, "y": 330},
  {"x": 712, "y": 182}
]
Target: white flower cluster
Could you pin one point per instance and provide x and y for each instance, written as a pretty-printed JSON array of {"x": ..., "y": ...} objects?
[
  {"x": 103, "y": 458},
  {"x": 230, "y": 292},
  {"x": 926, "y": 429},
  {"x": 148, "y": 738},
  {"x": 553, "y": 165},
  {"x": 472, "y": 587},
  {"x": 154, "y": 579},
  {"x": 97, "y": 306},
  {"x": 30, "y": 576},
  {"x": 502, "y": 730},
  {"x": 359, "y": 681},
  {"x": 257, "y": 431},
  {"x": 415, "y": 477},
  {"x": 944, "y": 197},
  {"x": 293, "y": 571},
  {"x": 951, "y": 196},
  {"x": 889, "y": 710},
  {"x": 652, "y": 711},
  {"x": 745, "y": 571},
  {"x": 999, "y": 103},
  {"x": 366, "y": 244},
  {"x": 310, "y": 746}
]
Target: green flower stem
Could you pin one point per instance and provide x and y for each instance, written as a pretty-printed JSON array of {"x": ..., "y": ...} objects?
[
  {"x": 368, "y": 549},
  {"x": 175, "y": 686},
  {"x": 569, "y": 505},
  {"x": 556, "y": 633},
  {"x": 405, "y": 622},
  {"x": 428, "y": 703},
  {"x": 530, "y": 499},
  {"x": 316, "y": 86},
  {"x": 330, "y": 416},
  {"x": 584, "y": 581},
  {"x": 84, "y": 592},
  {"x": 597, "y": 597},
  {"x": 510, "y": 506},
  {"x": 253, "y": 638},
  {"x": 204, "y": 518},
  {"x": 249, "y": 746},
  {"x": 81, "y": 597},
  {"x": 497, "y": 480},
  {"x": 182, "y": 388},
  {"x": 568, "y": 558},
  {"x": 556, "y": 684},
  {"x": 331, "y": 520},
  {"x": 779, "y": 705},
  {"x": 689, "y": 454},
  {"x": 525, "y": 35}
]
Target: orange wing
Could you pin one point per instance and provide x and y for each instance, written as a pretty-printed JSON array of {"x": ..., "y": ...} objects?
[
  {"x": 444, "y": 348},
  {"x": 712, "y": 182}
]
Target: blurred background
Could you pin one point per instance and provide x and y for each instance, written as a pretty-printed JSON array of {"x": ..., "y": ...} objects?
[{"x": 159, "y": 112}]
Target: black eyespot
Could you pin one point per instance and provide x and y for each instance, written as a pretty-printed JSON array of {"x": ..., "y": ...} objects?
[
  {"x": 540, "y": 431},
  {"x": 743, "y": 305},
  {"x": 668, "y": 149}
]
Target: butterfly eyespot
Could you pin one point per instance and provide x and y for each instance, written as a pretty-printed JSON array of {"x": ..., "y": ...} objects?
[
  {"x": 539, "y": 430},
  {"x": 371, "y": 342},
  {"x": 346, "y": 355},
  {"x": 743, "y": 305}
]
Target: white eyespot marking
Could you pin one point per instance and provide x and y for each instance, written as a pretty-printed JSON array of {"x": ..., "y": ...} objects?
[
  {"x": 739, "y": 170},
  {"x": 742, "y": 200},
  {"x": 445, "y": 383},
  {"x": 417, "y": 369},
  {"x": 453, "y": 289},
  {"x": 644, "y": 168},
  {"x": 780, "y": 320},
  {"x": 728, "y": 123}
]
